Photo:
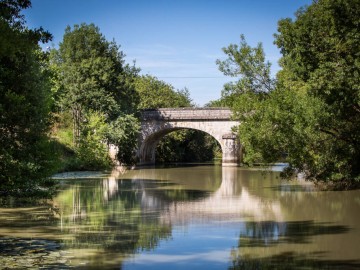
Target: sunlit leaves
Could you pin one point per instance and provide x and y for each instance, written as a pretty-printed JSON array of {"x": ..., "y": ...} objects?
[
  {"x": 155, "y": 93},
  {"x": 92, "y": 81},
  {"x": 321, "y": 50},
  {"x": 123, "y": 132},
  {"x": 247, "y": 63},
  {"x": 311, "y": 113}
]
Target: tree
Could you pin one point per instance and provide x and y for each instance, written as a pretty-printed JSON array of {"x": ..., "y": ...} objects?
[
  {"x": 187, "y": 146},
  {"x": 92, "y": 152},
  {"x": 93, "y": 75},
  {"x": 155, "y": 93},
  {"x": 250, "y": 66},
  {"x": 25, "y": 158},
  {"x": 124, "y": 132},
  {"x": 321, "y": 51},
  {"x": 92, "y": 80},
  {"x": 311, "y": 114},
  {"x": 247, "y": 97}
]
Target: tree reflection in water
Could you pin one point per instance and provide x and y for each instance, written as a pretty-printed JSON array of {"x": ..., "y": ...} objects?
[
  {"x": 292, "y": 260},
  {"x": 124, "y": 215},
  {"x": 100, "y": 221},
  {"x": 185, "y": 217},
  {"x": 264, "y": 211},
  {"x": 267, "y": 233}
]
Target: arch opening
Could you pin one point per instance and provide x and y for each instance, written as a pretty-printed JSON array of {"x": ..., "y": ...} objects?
[
  {"x": 148, "y": 147},
  {"x": 187, "y": 145}
]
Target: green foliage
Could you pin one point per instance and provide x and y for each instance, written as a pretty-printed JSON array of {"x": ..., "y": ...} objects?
[
  {"x": 123, "y": 133},
  {"x": 91, "y": 80},
  {"x": 92, "y": 151},
  {"x": 187, "y": 146},
  {"x": 282, "y": 125},
  {"x": 94, "y": 74},
  {"x": 311, "y": 113},
  {"x": 90, "y": 74},
  {"x": 62, "y": 129},
  {"x": 247, "y": 96},
  {"x": 62, "y": 132},
  {"x": 321, "y": 50},
  {"x": 249, "y": 65},
  {"x": 158, "y": 94},
  {"x": 25, "y": 153}
]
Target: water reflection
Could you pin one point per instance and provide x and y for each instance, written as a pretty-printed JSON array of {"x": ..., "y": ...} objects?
[
  {"x": 187, "y": 217},
  {"x": 266, "y": 233},
  {"x": 293, "y": 260},
  {"x": 271, "y": 218},
  {"x": 231, "y": 199},
  {"x": 142, "y": 208}
]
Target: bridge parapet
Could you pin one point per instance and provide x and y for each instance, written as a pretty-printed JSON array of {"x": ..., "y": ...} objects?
[{"x": 190, "y": 114}]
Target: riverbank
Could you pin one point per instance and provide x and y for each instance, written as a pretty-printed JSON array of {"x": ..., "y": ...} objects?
[{"x": 336, "y": 185}]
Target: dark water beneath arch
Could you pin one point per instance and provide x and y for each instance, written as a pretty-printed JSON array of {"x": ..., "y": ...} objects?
[{"x": 193, "y": 217}]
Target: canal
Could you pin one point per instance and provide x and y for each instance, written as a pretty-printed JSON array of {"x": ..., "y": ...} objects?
[{"x": 189, "y": 217}]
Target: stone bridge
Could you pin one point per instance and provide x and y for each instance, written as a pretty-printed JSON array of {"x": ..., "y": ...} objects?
[{"x": 157, "y": 123}]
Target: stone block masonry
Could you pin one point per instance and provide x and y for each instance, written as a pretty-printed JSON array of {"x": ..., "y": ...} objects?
[{"x": 217, "y": 122}]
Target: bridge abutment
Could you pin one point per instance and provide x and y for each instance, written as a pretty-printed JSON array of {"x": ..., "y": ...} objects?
[{"x": 231, "y": 150}]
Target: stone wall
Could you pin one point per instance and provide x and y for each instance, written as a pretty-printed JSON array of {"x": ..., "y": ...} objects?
[{"x": 192, "y": 114}]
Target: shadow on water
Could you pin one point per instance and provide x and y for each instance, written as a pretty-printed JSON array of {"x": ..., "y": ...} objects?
[
  {"x": 164, "y": 191},
  {"x": 268, "y": 233},
  {"x": 29, "y": 237},
  {"x": 18, "y": 247},
  {"x": 13, "y": 219},
  {"x": 176, "y": 165},
  {"x": 292, "y": 260},
  {"x": 293, "y": 188}
]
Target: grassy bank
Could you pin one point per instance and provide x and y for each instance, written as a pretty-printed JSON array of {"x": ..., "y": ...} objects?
[{"x": 88, "y": 155}]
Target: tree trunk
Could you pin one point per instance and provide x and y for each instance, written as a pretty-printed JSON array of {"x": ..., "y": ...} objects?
[{"x": 76, "y": 112}]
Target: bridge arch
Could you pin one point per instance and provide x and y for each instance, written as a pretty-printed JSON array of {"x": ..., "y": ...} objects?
[{"x": 216, "y": 122}]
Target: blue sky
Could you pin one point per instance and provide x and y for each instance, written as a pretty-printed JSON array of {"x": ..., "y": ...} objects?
[{"x": 178, "y": 41}]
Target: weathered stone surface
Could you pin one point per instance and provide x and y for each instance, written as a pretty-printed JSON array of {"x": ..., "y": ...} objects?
[
  {"x": 191, "y": 114},
  {"x": 217, "y": 122}
]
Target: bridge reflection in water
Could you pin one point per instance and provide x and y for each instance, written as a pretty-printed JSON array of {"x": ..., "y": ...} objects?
[{"x": 230, "y": 199}]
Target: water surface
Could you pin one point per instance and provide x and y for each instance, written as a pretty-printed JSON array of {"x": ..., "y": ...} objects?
[{"x": 193, "y": 217}]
